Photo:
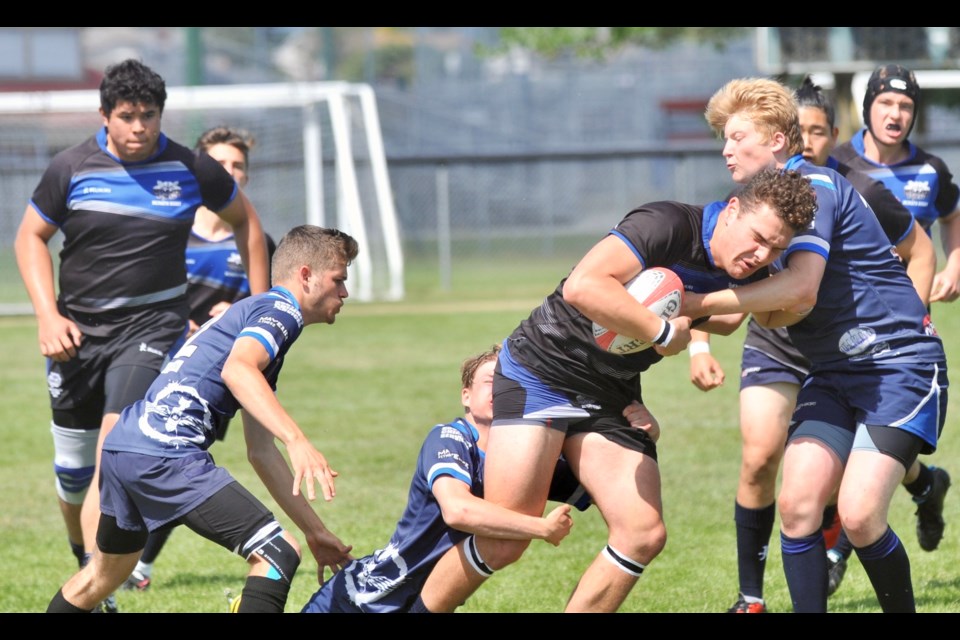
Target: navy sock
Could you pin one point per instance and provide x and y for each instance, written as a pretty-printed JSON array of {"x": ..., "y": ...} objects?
[
  {"x": 923, "y": 482},
  {"x": 754, "y": 527},
  {"x": 888, "y": 568},
  {"x": 418, "y": 606},
  {"x": 59, "y": 604},
  {"x": 805, "y": 566},
  {"x": 263, "y": 595},
  {"x": 78, "y": 552}
]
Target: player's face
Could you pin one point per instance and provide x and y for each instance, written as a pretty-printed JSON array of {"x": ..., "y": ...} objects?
[
  {"x": 479, "y": 396},
  {"x": 890, "y": 117},
  {"x": 132, "y": 130},
  {"x": 232, "y": 160},
  {"x": 745, "y": 149},
  {"x": 746, "y": 241},
  {"x": 819, "y": 138},
  {"x": 327, "y": 291}
]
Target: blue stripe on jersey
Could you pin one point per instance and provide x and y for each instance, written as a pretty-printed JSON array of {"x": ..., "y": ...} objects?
[
  {"x": 809, "y": 243},
  {"x": 447, "y": 469},
  {"x": 263, "y": 337},
  {"x": 819, "y": 179},
  {"x": 630, "y": 245},
  {"x": 163, "y": 191}
]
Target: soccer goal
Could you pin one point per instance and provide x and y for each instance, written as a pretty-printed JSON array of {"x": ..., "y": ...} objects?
[{"x": 318, "y": 158}]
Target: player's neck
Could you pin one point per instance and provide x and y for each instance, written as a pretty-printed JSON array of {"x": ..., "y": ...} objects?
[{"x": 883, "y": 153}]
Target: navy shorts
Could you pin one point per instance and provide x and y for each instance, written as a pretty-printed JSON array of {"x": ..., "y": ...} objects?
[
  {"x": 147, "y": 492},
  {"x": 909, "y": 397},
  {"x": 758, "y": 369}
]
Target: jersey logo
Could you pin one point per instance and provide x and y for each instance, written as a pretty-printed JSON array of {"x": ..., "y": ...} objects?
[
  {"x": 917, "y": 190},
  {"x": 167, "y": 191}
]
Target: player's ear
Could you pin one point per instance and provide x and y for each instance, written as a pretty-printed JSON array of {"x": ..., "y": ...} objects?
[
  {"x": 778, "y": 141},
  {"x": 733, "y": 209}
]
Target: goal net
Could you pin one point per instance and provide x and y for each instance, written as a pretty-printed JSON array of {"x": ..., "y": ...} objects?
[{"x": 318, "y": 159}]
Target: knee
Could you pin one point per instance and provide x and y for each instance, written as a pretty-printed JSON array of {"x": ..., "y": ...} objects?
[
  {"x": 75, "y": 454},
  {"x": 497, "y": 554},
  {"x": 759, "y": 466},
  {"x": 643, "y": 544},
  {"x": 282, "y": 554}
]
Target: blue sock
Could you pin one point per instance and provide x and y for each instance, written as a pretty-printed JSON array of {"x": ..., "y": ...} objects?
[
  {"x": 805, "y": 566},
  {"x": 888, "y": 568},
  {"x": 754, "y": 527}
]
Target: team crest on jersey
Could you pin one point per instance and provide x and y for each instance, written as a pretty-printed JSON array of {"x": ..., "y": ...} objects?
[
  {"x": 178, "y": 416},
  {"x": 917, "y": 190},
  {"x": 379, "y": 574},
  {"x": 856, "y": 340},
  {"x": 167, "y": 190}
]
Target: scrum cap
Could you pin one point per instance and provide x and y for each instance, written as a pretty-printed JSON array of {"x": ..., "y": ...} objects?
[{"x": 891, "y": 77}]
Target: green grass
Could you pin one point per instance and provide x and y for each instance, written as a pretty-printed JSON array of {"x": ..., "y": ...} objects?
[{"x": 367, "y": 389}]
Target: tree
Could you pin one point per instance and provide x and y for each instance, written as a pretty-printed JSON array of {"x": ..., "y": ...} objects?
[{"x": 600, "y": 42}]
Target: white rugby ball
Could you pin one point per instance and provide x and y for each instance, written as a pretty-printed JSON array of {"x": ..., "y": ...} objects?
[{"x": 658, "y": 289}]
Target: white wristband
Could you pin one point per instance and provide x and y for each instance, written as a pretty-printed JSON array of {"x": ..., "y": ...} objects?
[{"x": 698, "y": 347}]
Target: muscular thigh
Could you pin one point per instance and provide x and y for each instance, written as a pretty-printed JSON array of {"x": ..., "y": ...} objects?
[
  {"x": 765, "y": 415},
  {"x": 520, "y": 460},
  {"x": 624, "y": 483}
]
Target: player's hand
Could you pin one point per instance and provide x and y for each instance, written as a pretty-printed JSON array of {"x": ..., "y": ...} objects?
[
  {"x": 310, "y": 466},
  {"x": 559, "y": 524},
  {"x": 59, "y": 337},
  {"x": 705, "y": 372},
  {"x": 640, "y": 417},
  {"x": 219, "y": 308},
  {"x": 191, "y": 327},
  {"x": 328, "y": 551},
  {"x": 945, "y": 288},
  {"x": 680, "y": 340}
]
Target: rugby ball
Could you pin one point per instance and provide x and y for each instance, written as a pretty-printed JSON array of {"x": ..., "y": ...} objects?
[{"x": 658, "y": 289}]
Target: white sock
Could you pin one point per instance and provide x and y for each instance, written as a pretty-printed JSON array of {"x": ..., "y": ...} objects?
[{"x": 144, "y": 568}]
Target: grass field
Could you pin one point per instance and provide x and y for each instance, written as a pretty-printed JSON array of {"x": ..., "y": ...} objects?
[{"x": 368, "y": 388}]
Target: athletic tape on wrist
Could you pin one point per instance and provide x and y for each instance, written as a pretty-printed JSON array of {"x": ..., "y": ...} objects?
[{"x": 696, "y": 348}]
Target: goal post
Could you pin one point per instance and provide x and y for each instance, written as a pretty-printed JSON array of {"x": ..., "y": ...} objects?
[{"x": 338, "y": 126}]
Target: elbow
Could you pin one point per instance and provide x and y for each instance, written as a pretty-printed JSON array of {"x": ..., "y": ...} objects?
[
  {"x": 574, "y": 292},
  {"x": 457, "y": 517}
]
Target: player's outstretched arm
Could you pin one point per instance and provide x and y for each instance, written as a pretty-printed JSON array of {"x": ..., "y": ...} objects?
[
  {"x": 242, "y": 373},
  {"x": 272, "y": 468},
  {"x": 466, "y": 512}
]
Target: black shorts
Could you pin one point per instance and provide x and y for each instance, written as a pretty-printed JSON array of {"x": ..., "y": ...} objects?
[
  {"x": 532, "y": 402},
  {"x": 114, "y": 365}
]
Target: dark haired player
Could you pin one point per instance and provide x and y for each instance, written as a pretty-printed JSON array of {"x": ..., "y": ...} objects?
[
  {"x": 156, "y": 470},
  {"x": 556, "y": 390},
  {"x": 124, "y": 200}
]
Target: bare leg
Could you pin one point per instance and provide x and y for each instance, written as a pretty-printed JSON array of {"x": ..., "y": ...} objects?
[
  {"x": 625, "y": 486},
  {"x": 519, "y": 467},
  {"x": 90, "y": 513}
]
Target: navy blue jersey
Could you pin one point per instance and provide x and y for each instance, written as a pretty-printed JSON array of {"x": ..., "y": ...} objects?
[
  {"x": 390, "y": 579},
  {"x": 189, "y": 403},
  {"x": 125, "y": 224},
  {"x": 896, "y": 221},
  {"x": 867, "y": 307},
  {"x": 215, "y": 274},
  {"x": 922, "y": 182},
  {"x": 556, "y": 341}
]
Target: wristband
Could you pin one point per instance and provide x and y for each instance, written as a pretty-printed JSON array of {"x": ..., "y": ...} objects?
[
  {"x": 698, "y": 347},
  {"x": 665, "y": 335}
]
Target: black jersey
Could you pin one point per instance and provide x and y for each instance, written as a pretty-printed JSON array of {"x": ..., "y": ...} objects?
[
  {"x": 125, "y": 224},
  {"x": 556, "y": 341}
]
